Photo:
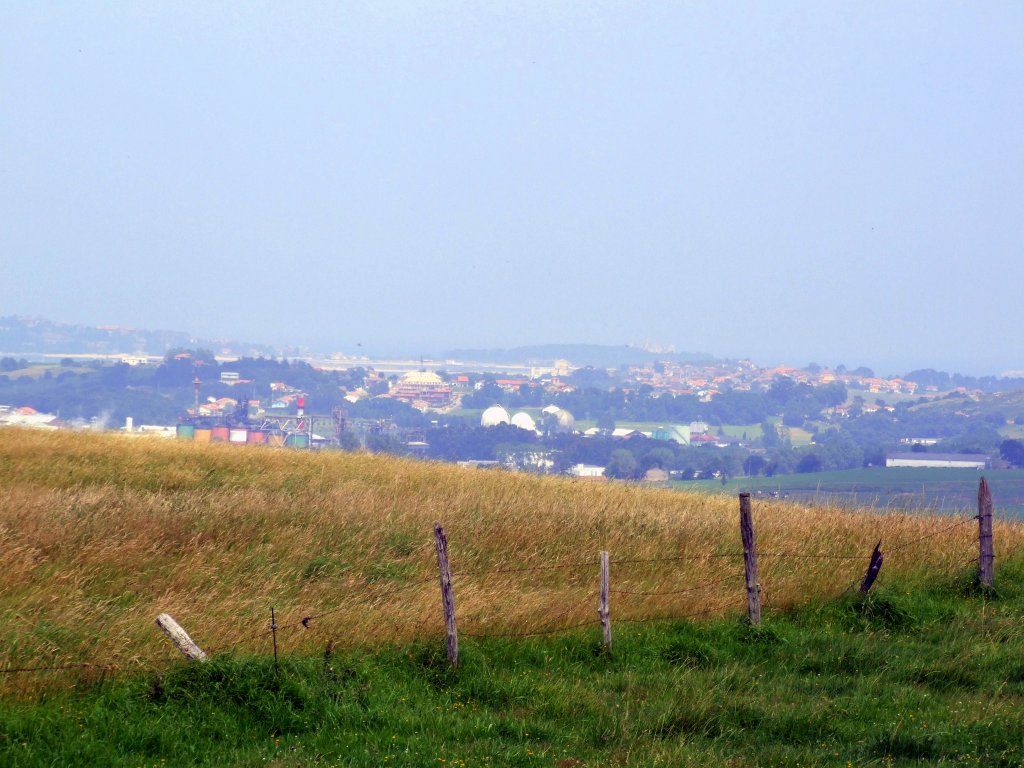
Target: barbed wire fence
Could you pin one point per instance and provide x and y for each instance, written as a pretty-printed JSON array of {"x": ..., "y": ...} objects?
[{"x": 569, "y": 617}]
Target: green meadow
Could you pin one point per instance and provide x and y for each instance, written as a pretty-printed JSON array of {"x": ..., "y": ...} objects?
[{"x": 910, "y": 489}]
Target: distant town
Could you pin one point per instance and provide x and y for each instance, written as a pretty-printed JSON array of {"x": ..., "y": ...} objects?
[{"x": 657, "y": 416}]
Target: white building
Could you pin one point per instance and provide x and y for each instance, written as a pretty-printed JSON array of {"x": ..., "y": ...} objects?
[
  {"x": 938, "y": 460},
  {"x": 26, "y": 417},
  {"x": 586, "y": 470},
  {"x": 919, "y": 441}
]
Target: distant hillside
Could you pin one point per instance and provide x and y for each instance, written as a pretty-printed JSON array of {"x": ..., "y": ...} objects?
[
  {"x": 1011, "y": 380},
  {"x": 1008, "y": 405},
  {"x": 37, "y": 336},
  {"x": 597, "y": 355}
]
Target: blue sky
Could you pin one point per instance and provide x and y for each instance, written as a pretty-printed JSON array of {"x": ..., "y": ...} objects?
[{"x": 788, "y": 181}]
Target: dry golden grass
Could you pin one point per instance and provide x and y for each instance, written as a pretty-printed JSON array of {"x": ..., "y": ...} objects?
[{"x": 99, "y": 534}]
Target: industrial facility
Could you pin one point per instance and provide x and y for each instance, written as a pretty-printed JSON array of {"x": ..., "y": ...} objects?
[
  {"x": 554, "y": 419},
  {"x": 248, "y": 425}
]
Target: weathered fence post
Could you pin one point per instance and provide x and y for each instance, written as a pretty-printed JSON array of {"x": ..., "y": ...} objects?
[
  {"x": 180, "y": 638},
  {"x": 874, "y": 566},
  {"x": 273, "y": 632},
  {"x": 750, "y": 560},
  {"x": 447, "y": 596},
  {"x": 986, "y": 555},
  {"x": 603, "y": 610}
]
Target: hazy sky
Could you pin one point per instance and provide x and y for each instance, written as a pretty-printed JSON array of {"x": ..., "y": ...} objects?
[{"x": 836, "y": 182}]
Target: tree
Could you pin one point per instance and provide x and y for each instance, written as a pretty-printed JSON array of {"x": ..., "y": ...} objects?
[
  {"x": 378, "y": 387},
  {"x": 782, "y": 390},
  {"x": 115, "y": 376},
  {"x": 349, "y": 442},
  {"x": 754, "y": 465},
  {"x": 809, "y": 463},
  {"x": 840, "y": 451},
  {"x": 874, "y": 456},
  {"x": 929, "y": 377},
  {"x": 978, "y": 437},
  {"x": 622, "y": 464},
  {"x": 1013, "y": 452},
  {"x": 662, "y": 458},
  {"x": 793, "y": 419},
  {"x": 591, "y": 378},
  {"x": 780, "y": 462},
  {"x": 384, "y": 443}
]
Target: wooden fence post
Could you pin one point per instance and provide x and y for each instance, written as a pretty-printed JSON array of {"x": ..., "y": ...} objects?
[
  {"x": 180, "y": 638},
  {"x": 603, "y": 610},
  {"x": 874, "y": 566},
  {"x": 750, "y": 560},
  {"x": 986, "y": 555},
  {"x": 447, "y": 596},
  {"x": 273, "y": 632}
]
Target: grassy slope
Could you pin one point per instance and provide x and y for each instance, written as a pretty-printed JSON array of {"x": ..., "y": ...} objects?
[
  {"x": 1009, "y": 404},
  {"x": 100, "y": 534}
]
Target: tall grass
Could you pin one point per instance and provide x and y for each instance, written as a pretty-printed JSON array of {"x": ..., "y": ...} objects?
[{"x": 99, "y": 534}]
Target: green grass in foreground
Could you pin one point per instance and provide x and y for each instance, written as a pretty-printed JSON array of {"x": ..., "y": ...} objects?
[{"x": 933, "y": 675}]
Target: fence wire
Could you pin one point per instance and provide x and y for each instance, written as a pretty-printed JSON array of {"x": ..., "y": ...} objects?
[
  {"x": 668, "y": 593},
  {"x": 314, "y": 621},
  {"x": 59, "y": 668},
  {"x": 932, "y": 535},
  {"x": 500, "y": 571},
  {"x": 548, "y": 628}
]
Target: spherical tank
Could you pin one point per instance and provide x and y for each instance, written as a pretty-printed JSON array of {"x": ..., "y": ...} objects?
[
  {"x": 523, "y": 420},
  {"x": 494, "y": 416},
  {"x": 566, "y": 422}
]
